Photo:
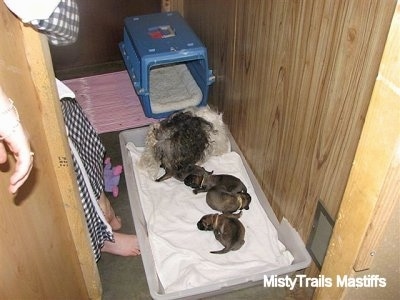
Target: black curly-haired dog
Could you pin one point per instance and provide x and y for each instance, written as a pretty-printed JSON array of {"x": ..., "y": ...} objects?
[{"x": 181, "y": 141}]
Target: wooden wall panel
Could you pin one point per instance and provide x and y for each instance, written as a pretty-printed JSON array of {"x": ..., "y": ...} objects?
[
  {"x": 217, "y": 28},
  {"x": 174, "y": 5},
  {"x": 44, "y": 243},
  {"x": 296, "y": 94},
  {"x": 366, "y": 234},
  {"x": 101, "y": 29}
]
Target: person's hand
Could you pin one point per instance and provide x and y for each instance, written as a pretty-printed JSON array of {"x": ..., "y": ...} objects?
[
  {"x": 19, "y": 146},
  {"x": 13, "y": 134}
]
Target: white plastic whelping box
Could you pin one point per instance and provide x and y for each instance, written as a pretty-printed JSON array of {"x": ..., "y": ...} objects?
[
  {"x": 286, "y": 233},
  {"x": 166, "y": 62}
]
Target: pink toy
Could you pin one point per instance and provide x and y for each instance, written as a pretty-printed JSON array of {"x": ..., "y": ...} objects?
[{"x": 111, "y": 177}]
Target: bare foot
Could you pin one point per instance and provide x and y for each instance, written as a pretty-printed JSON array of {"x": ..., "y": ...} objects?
[{"x": 125, "y": 245}]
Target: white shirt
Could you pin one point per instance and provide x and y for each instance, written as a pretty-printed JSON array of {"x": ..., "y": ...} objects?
[
  {"x": 63, "y": 90},
  {"x": 29, "y": 10}
]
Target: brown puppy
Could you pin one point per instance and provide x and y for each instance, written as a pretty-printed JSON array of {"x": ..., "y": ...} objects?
[
  {"x": 225, "y": 193},
  {"x": 203, "y": 182},
  {"x": 220, "y": 199},
  {"x": 228, "y": 230}
]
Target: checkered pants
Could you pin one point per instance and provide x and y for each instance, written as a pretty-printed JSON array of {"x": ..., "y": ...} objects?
[
  {"x": 91, "y": 152},
  {"x": 62, "y": 26}
]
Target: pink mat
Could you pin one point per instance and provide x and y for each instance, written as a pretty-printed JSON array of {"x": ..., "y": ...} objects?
[{"x": 109, "y": 101}]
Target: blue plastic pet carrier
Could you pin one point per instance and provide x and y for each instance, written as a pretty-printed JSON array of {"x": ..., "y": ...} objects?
[{"x": 166, "y": 62}]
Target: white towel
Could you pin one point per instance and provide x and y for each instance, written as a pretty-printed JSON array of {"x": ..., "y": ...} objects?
[
  {"x": 182, "y": 252},
  {"x": 173, "y": 88}
]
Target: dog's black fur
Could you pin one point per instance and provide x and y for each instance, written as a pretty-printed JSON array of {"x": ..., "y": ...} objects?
[{"x": 181, "y": 141}]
